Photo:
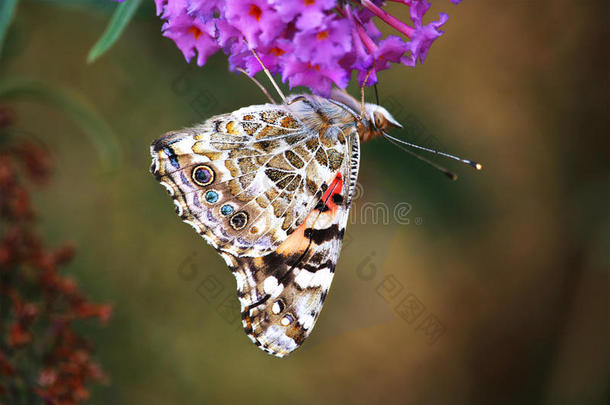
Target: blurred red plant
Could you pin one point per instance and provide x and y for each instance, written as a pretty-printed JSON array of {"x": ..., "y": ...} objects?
[{"x": 42, "y": 358}]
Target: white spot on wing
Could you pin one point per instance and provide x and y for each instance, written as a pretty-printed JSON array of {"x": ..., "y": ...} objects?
[
  {"x": 191, "y": 223},
  {"x": 241, "y": 281},
  {"x": 169, "y": 188},
  {"x": 229, "y": 261},
  {"x": 155, "y": 162},
  {"x": 321, "y": 278},
  {"x": 270, "y": 285},
  {"x": 307, "y": 321}
]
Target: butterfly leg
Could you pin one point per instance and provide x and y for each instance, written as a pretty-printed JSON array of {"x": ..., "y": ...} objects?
[
  {"x": 260, "y": 86},
  {"x": 366, "y": 79},
  {"x": 267, "y": 72}
]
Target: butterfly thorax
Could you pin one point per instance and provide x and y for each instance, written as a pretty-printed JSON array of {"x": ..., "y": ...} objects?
[
  {"x": 343, "y": 114},
  {"x": 331, "y": 120}
]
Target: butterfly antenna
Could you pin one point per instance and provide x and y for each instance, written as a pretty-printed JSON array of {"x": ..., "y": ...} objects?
[
  {"x": 401, "y": 144},
  {"x": 260, "y": 86},
  {"x": 440, "y": 168},
  {"x": 268, "y": 73}
]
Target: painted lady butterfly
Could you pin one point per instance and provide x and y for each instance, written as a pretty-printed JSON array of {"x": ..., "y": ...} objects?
[{"x": 269, "y": 187}]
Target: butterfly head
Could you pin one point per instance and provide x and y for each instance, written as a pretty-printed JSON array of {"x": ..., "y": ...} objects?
[{"x": 379, "y": 120}]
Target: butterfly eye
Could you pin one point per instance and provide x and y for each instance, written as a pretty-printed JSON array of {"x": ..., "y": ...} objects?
[
  {"x": 379, "y": 121},
  {"x": 286, "y": 320},
  {"x": 203, "y": 175},
  {"x": 239, "y": 220},
  {"x": 211, "y": 196},
  {"x": 226, "y": 210}
]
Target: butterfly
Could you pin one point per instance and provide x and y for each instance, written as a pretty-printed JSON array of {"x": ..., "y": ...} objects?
[{"x": 269, "y": 187}]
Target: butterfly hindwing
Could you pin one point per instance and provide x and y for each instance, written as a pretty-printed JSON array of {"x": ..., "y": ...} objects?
[{"x": 282, "y": 294}]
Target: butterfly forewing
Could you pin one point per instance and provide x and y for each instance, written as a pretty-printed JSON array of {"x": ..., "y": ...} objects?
[{"x": 245, "y": 180}]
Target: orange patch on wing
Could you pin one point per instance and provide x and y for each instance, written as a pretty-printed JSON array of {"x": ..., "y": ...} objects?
[
  {"x": 231, "y": 128},
  {"x": 289, "y": 122},
  {"x": 297, "y": 242}
]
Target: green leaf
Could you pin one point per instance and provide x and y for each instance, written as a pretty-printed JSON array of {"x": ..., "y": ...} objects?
[
  {"x": 7, "y": 10},
  {"x": 121, "y": 17},
  {"x": 78, "y": 108}
]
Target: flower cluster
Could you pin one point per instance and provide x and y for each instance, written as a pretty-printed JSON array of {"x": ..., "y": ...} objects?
[
  {"x": 41, "y": 355},
  {"x": 312, "y": 43}
]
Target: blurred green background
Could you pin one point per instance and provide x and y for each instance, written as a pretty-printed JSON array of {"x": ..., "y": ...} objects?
[{"x": 500, "y": 279}]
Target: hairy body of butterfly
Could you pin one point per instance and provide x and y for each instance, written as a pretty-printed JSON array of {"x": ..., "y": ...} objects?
[{"x": 269, "y": 187}]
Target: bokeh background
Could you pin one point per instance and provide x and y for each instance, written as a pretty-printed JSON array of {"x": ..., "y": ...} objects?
[{"x": 491, "y": 289}]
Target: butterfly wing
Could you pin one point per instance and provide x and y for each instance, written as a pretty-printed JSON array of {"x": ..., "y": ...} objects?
[
  {"x": 246, "y": 180},
  {"x": 282, "y": 294},
  {"x": 270, "y": 188}
]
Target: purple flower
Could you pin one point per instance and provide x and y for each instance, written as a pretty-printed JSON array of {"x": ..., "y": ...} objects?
[
  {"x": 388, "y": 18},
  {"x": 204, "y": 9},
  {"x": 417, "y": 10},
  {"x": 272, "y": 56},
  {"x": 313, "y": 43},
  {"x": 317, "y": 77},
  {"x": 257, "y": 20},
  {"x": 422, "y": 36},
  {"x": 391, "y": 49},
  {"x": 360, "y": 58},
  {"x": 329, "y": 42},
  {"x": 159, "y": 4},
  {"x": 365, "y": 17},
  {"x": 308, "y": 13},
  {"x": 170, "y": 8},
  {"x": 227, "y": 34},
  {"x": 422, "y": 40},
  {"x": 190, "y": 35}
]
